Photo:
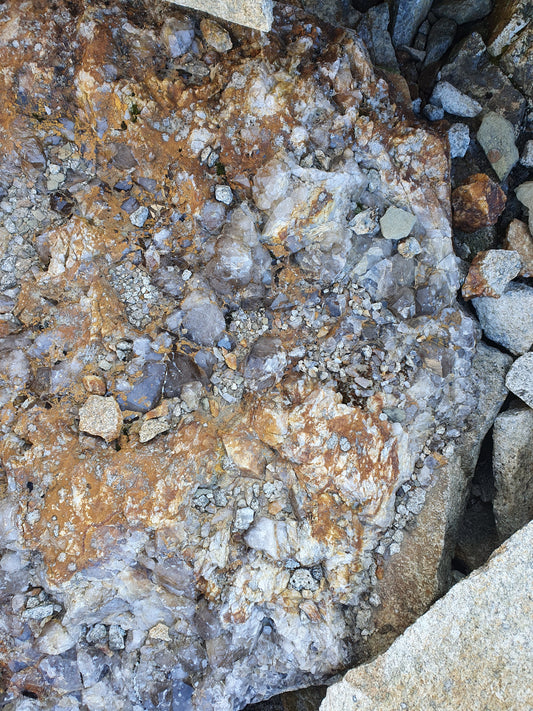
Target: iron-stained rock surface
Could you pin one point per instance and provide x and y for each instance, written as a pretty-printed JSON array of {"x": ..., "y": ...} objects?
[{"x": 195, "y": 235}]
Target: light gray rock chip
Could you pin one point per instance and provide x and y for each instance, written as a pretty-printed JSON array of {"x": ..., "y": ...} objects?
[
  {"x": 454, "y": 101},
  {"x": 459, "y": 139},
  {"x": 471, "y": 651},
  {"x": 224, "y": 194},
  {"x": 509, "y": 319},
  {"x": 139, "y": 217},
  {"x": 497, "y": 138},
  {"x": 519, "y": 379},
  {"x": 512, "y": 463},
  {"x": 396, "y": 223},
  {"x": 101, "y": 416}
]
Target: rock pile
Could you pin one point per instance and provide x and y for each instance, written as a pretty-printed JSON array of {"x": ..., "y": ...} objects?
[{"x": 238, "y": 392}]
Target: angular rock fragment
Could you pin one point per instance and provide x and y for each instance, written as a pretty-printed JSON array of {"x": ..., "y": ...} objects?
[
  {"x": 373, "y": 29},
  {"x": 396, "y": 223},
  {"x": 479, "y": 631},
  {"x": 251, "y": 13},
  {"x": 524, "y": 193},
  {"x": 440, "y": 39},
  {"x": 519, "y": 239},
  {"x": 491, "y": 88},
  {"x": 101, "y": 416},
  {"x": 152, "y": 428},
  {"x": 408, "y": 15},
  {"x": 459, "y": 138},
  {"x": 512, "y": 463},
  {"x": 490, "y": 273},
  {"x": 519, "y": 379},
  {"x": 477, "y": 203},
  {"x": 216, "y": 36},
  {"x": 508, "y": 320},
  {"x": 497, "y": 138},
  {"x": 454, "y": 101}
]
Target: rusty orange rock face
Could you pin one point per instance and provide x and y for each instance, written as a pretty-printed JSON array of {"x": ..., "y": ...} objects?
[
  {"x": 279, "y": 366},
  {"x": 477, "y": 203}
]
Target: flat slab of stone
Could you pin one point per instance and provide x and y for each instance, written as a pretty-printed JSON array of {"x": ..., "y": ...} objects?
[
  {"x": 470, "y": 652},
  {"x": 250, "y": 13}
]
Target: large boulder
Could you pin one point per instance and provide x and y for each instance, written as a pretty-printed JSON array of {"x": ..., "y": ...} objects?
[
  {"x": 292, "y": 383},
  {"x": 471, "y": 651}
]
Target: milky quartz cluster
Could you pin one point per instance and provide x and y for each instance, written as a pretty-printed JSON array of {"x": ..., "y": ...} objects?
[{"x": 193, "y": 236}]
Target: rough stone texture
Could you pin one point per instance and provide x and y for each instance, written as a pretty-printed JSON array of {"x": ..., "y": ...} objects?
[
  {"x": 512, "y": 462},
  {"x": 396, "y": 223},
  {"x": 302, "y": 363},
  {"x": 524, "y": 193},
  {"x": 216, "y": 36},
  {"x": 519, "y": 239},
  {"x": 527, "y": 155},
  {"x": 373, "y": 30},
  {"x": 463, "y": 10},
  {"x": 407, "y": 17},
  {"x": 440, "y": 39},
  {"x": 454, "y": 101},
  {"x": 491, "y": 88},
  {"x": 490, "y": 273},
  {"x": 471, "y": 651},
  {"x": 477, "y": 203},
  {"x": 459, "y": 138},
  {"x": 497, "y": 138},
  {"x": 520, "y": 378},
  {"x": 507, "y": 21},
  {"x": 509, "y": 319},
  {"x": 102, "y": 417},
  {"x": 251, "y": 13},
  {"x": 419, "y": 573}
]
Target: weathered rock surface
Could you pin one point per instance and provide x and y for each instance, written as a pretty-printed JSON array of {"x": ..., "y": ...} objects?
[
  {"x": 454, "y": 101},
  {"x": 524, "y": 193},
  {"x": 490, "y": 273},
  {"x": 497, "y": 138},
  {"x": 302, "y": 364},
  {"x": 491, "y": 88},
  {"x": 418, "y": 574},
  {"x": 508, "y": 320},
  {"x": 513, "y": 469},
  {"x": 520, "y": 378},
  {"x": 251, "y": 13},
  {"x": 102, "y": 417},
  {"x": 518, "y": 238},
  {"x": 477, "y": 203},
  {"x": 471, "y": 651}
]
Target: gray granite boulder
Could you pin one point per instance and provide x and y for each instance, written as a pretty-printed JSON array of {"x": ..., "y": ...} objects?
[{"x": 471, "y": 652}]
